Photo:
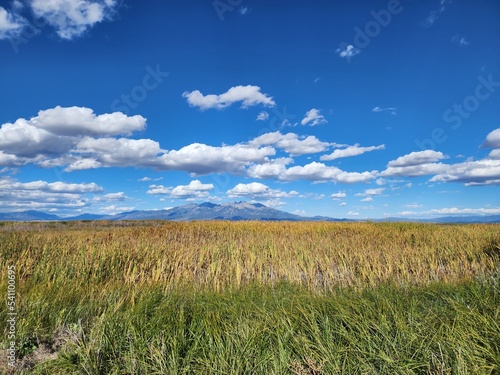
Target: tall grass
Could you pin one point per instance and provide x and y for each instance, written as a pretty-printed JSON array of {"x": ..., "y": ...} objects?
[
  {"x": 222, "y": 255},
  {"x": 254, "y": 298}
]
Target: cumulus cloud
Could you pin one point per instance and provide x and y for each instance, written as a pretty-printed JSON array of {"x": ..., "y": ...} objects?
[
  {"x": 15, "y": 195},
  {"x": 319, "y": 172},
  {"x": 194, "y": 190},
  {"x": 270, "y": 169},
  {"x": 248, "y": 96},
  {"x": 493, "y": 139},
  {"x": 79, "y": 121},
  {"x": 350, "y": 151},
  {"x": 348, "y": 52},
  {"x": 472, "y": 173},
  {"x": 316, "y": 172},
  {"x": 56, "y": 131},
  {"x": 313, "y": 118},
  {"x": 495, "y": 154},
  {"x": 120, "y": 152},
  {"x": 257, "y": 190},
  {"x": 291, "y": 143},
  {"x": 417, "y": 163},
  {"x": 72, "y": 18},
  {"x": 201, "y": 159},
  {"x": 417, "y": 158}
]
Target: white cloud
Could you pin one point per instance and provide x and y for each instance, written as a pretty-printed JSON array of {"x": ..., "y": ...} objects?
[
  {"x": 82, "y": 164},
  {"x": 316, "y": 172},
  {"x": 342, "y": 204},
  {"x": 11, "y": 24},
  {"x": 256, "y": 190},
  {"x": 273, "y": 203},
  {"x": 145, "y": 179},
  {"x": 452, "y": 211},
  {"x": 202, "y": 159},
  {"x": 350, "y": 151},
  {"x": 370, "y": 193},
  {"x": 465, "y": 211},
  {"x": 348, "y": 52},
  {"x": 319, "y": 172},
  {"x": 313, "y": 118},
  {"x": 352, "y": 213},
  {"x": 291, "y": 143},
  {"x": 374, "y": 191},
  {"x": 392, "y": 110},
  {"x": 56, "y": 131},
  {"x": 472, "y": 173},
  {"x": 78, "y": 139},
  {"x": 417, "y": 163},
  {"x": 417, "y": 158},
  {"x": 495, "y": 154},
  {"x": 271, "y": 169},
  {"x": 338, "y": 195},
  {"x": 80, "y": 121},
  {"x": 71, "y": 18},
  {"x": 158, "y": 190},
  {"x": 262, "y": 116},
  {"x": 15, "y": 195},
  {"x": 493, "y": 139},
  {"x": 248, "y": 95},
  {"x": 194, "y": 190},
  {"x": 118, "y": 152}
]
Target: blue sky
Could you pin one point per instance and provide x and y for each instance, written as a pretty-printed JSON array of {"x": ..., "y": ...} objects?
[{"x": 359, "y": 109}]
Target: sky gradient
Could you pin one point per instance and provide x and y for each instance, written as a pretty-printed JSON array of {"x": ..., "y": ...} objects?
[{"x": 365, "y": 109}]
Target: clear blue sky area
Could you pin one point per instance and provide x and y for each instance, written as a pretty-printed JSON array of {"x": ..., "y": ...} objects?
[{"x": 355, "y": 109}]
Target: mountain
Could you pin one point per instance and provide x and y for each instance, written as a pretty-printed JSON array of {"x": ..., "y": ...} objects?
[
  {"x": 225, "y": 211},
  {"x": 212, "y": 211},
  {"x": 28, "y": 216}
]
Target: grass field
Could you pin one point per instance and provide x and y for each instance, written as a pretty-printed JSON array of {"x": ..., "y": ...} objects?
[{"x": 252, "y": 298}]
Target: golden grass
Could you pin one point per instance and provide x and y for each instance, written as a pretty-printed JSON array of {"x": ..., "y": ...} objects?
[{"x": 220, "y": 255}]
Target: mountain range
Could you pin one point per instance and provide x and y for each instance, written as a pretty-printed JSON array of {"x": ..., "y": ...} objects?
[{"x": 225, "y": 211}]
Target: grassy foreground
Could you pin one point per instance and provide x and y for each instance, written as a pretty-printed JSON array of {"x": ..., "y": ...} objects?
[{"x": 253, "y": 298}]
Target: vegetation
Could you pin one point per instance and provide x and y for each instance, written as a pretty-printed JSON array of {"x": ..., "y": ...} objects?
[{"x": 253, "y": 298}]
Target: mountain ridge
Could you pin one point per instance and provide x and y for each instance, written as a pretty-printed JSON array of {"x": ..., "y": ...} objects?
[{"x": 235, "y": 211}]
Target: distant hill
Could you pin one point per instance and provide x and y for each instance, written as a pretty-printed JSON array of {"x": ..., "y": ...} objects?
[
  {"x": 28, "y": 216},
  {"x": 225, "y": 211}
]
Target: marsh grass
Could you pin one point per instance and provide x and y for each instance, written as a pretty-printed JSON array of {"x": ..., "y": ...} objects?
[{"x": 254, "y": 298}]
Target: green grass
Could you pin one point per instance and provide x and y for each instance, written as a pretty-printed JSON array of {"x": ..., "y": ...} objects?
[{"x": 439, "y": 329}]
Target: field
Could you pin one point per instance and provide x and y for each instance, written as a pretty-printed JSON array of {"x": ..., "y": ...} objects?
[{"x": 251, "y": 298}]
